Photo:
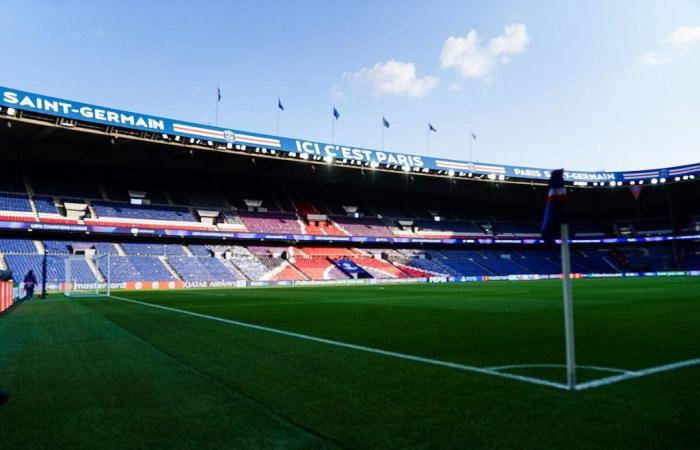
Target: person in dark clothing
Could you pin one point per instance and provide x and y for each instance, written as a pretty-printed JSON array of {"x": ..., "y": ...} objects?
[
  {"x": 4, "y": 396},
  {"x": 29, "y": 284}
]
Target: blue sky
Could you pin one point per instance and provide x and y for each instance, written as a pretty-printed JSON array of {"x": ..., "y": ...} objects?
[{"x": 586, "y": 85}]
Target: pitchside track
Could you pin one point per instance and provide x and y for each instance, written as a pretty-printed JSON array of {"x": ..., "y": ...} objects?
[{"x": 448, "y": 365}]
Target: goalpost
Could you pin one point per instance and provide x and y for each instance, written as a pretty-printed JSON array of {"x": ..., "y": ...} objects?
[{"x": 80, "y": 268}]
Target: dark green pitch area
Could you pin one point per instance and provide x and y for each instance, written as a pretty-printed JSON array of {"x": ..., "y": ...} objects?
[{"x": 103, "y": 373}]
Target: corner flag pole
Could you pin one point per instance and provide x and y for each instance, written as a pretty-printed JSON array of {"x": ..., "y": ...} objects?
[
  {"x": 568, "y": 309},
  {"x": 555, "y": 222}
]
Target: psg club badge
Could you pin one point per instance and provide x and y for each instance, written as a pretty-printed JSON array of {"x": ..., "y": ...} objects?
[{"x": 229, "y": 136}]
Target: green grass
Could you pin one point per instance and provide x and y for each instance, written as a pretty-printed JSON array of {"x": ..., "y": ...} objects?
[{"x": 102, "y": 373}]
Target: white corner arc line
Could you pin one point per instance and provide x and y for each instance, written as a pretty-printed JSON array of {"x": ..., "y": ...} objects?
[
  {"x": 558, "y": 366},
  {"x": 638, "y": 374},
  {"x": 404, "y": 356}
]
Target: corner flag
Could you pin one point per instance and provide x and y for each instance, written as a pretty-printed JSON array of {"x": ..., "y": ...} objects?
[
  {"x": 555, "y": 209},
  {"x": 555, "y": 224}
]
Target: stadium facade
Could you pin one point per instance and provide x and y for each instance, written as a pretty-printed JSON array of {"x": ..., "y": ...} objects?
[{"x": 179, "y": 204}]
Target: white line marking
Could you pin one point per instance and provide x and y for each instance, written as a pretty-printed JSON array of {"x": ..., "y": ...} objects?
[
  {"x": 638, "y": 373},
  {"x": 557, "y": 366},
  {"x": 361, "y": 348}
]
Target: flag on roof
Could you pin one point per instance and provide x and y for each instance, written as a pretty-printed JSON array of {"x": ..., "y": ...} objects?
[
  {"x": 430, "y": 127},
  {"x": 336, "y": 114},
  {"x": 473, "y": 135},
  {"x": 279, "y": 104},
  {"x": 555, "y": 209},
  {"x": 218, "y": 93},
  {"x": 385, "y": 122}
]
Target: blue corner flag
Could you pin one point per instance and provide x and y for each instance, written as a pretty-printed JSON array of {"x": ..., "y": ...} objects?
[
  {"x": 385, "y": 122},
  {"x": 555, "y": 209},
  {"x": 279, "y": 104},
  {"x": 336, "y": 114},
  {"x": 430, "y": 127}
]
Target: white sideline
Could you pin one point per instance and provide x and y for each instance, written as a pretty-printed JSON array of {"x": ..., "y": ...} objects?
[
  {"x": 626, "y": 375},
  {"x": 434, "y": 362},
  {"x": 637, "y": 374}
]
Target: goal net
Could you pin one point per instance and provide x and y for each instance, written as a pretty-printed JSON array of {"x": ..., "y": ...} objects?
[{"x": 87, "y": 276}]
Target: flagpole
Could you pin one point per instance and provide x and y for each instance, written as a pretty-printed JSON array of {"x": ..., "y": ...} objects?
[
  {"x": 333, "y": 119},
  {"x": 428, "y": 139},
  {"x": 568, "y": 309},
  {"x": 470, "y": 146},
  {"x": 216, "y": 122},
  {"x": 382, "y": 133},
  {"x": 277, "y": 129}
]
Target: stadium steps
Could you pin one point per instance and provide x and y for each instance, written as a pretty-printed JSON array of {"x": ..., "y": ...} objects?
[
  {"x": 103, "y": 192},
  {"x": 401, "y": 268},
  {"x": 170, "y": 268},
  {"x": 120, "y": 249},
  {"x": 187, "y": 251},
  {"x": 168, "y": 199},
  {"x": 298, "y": 270},
  {"x": 516, "y": 262},
  {"x": 91, "y": 208},
  {"x": 28, "y": 185},
  {"x": 40, "y": 249},
  {"x": 34, "y": 209},
  {"x": 611, "y": 264},
  {"x": 3, "y": 264},
  {"x": 302, "y": 224},
  {"x": 448, "y": 270},
  {"x": 95, "y": 271},
  {"x": 486, "y": 269},
  {"x": 232, "y": 266}
]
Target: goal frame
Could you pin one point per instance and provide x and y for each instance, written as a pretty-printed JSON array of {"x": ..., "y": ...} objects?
[{"x": 71, "y": 288}]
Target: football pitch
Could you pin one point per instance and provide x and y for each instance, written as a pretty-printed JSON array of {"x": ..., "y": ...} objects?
[{"x": 383, "y": 366}]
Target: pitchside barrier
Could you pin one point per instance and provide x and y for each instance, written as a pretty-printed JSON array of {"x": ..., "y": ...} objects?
[
  {"x": 7, "y": 292},
  {"x": 168, "y": 285}
]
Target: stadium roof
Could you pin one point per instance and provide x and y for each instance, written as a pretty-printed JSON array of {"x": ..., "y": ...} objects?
[{"x": 31, "y": 107}]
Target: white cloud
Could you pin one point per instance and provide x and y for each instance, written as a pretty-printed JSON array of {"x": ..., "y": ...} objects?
[
  {"x": 684, "y": 37},
  {"x": 679, "y": 41},
  {"x": 455, "y": 87},
  {"x": 392, "y": 78},
  {"x": 476, "y": 61}
]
